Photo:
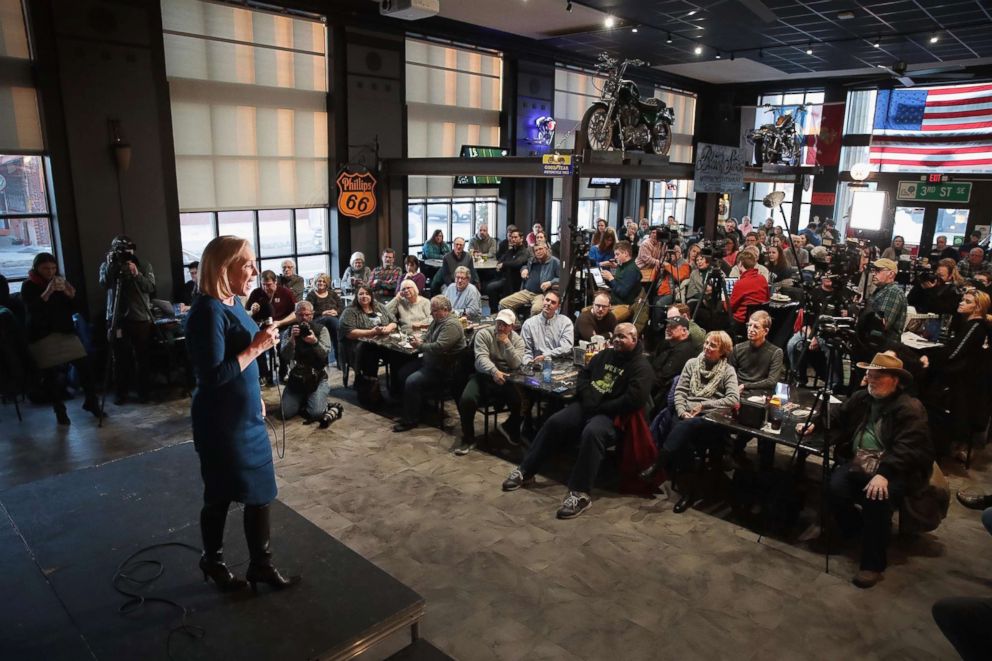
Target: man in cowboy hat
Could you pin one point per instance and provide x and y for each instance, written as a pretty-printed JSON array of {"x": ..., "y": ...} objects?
[{"x": 885, "y": 430}]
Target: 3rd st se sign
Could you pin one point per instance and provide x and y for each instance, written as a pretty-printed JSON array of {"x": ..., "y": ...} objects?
[{"x": 718, "y": 168}]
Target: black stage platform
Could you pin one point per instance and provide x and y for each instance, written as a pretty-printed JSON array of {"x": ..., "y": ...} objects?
[{"x": 62, "y": 539}]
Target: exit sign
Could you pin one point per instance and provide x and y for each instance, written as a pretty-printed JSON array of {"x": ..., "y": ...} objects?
[{"x": 918, "y": 191}]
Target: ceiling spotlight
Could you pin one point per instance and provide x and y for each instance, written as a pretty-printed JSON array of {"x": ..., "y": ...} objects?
[
  {"x": 568, "y": 5},
  {"x": 845, "y": 15},
  {"x": 718, "y": 56},
  {"x": 633, "y": 30},
  {"x": 698, "y": 50},
  {"x": 876, "y": 44},
  {"x": 669, "y": 40},
  {"x": 809, "y": 49},
  {"x": 934, "y": 39},
  {"x": 693, "y": 12},
  {"x": 610, "y": 22}
]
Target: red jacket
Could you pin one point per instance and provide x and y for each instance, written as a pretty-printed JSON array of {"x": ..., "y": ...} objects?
[{"x": 751, "y": 289}]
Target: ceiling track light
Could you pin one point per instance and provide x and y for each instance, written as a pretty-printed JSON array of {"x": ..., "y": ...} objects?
[
  {"x": 876, "y": 44},
  {"x": 934, "y": 38},
  {"x": 698, "y": 50},
  {"x": 609, "y": 22},
  {"x": 634, "y": 30},
  {"x": 669, "y": 40},
  {"x": 809, "y": 48},
  {"x": 718, "y": 56}
]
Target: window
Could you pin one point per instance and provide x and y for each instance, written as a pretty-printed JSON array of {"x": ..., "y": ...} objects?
[
  {"x": 759, "y": 212},
  {"x": 593, "y": 203},
  {"x": 298, "y": 234},
  {"x": 671, "y": 198},
  {"x": 909, "y": 225},
  {"x": 25, "y": 220},
  {"x": 951, "y": 223},
  {"x": 454, "y": 97},
  {"x": 453, "y": 216}
]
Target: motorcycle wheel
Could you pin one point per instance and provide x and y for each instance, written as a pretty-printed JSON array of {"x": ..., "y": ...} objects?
[
  {"x": 759, "y": 153},
  {"x": 661, "y": 138},
  {"x": 597, "y": 128}
]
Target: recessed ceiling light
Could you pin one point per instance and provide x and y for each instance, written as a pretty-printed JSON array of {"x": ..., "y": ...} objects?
[
  {"x": 698, "y": 50},
  {"x": 669, "y": 40},
  {"x": 845, "y": 15},
  {"x": 693, "y": 12},
  {"x": 718, "y": 56},
  {"x": 934, "y": 39},
  {"x": 633, "y": 29},
  {"x": 876, "y": 45},
  {"x": 610, "y": 22},
  {"x": 809, "y": 51}
]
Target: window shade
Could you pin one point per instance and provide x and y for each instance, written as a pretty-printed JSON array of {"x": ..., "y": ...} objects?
[
  {"x": 454, "y": 97},
  {"x": 249, "y": 107},
  {"x": 20, "y": 121}
]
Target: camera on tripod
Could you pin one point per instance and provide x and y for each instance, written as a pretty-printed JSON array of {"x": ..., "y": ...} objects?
[
  {"x": 836, "y": 331},
  {"x": 581, "y": 241}
]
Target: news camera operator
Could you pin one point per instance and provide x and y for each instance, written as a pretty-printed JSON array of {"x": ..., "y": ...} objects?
[
  {"x": 129, "y": 282},
  {"x": 304, "y": 349},
  {"x": 934, "y": 291}
]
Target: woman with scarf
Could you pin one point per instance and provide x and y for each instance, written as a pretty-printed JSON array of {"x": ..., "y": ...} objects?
[
  {"x": 707, "y": 382},
  {"x": 50, "y": 303}
]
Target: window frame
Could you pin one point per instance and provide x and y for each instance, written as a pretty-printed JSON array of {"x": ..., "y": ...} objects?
[
  {"x": 489, "y": 201},
  {"x": 49, "y": 217}
]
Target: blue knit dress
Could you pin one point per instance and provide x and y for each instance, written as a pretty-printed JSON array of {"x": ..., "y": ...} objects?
[{"x": 228, "y": 429}]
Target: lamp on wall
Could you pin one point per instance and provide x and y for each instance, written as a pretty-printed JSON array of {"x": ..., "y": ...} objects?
[{"x": 120, "y": 147}]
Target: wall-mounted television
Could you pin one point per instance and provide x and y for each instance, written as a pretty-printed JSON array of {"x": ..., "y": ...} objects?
[{"x": 479, "y": 151}]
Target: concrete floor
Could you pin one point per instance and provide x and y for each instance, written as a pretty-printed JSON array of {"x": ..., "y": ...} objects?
[{"x": 504, "y": 579}]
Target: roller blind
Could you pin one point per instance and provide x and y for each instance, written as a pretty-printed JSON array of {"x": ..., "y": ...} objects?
[
  {"x": 249, "y": 107},
  {"x": 20, "y": 121},
  {"x": 453, "y": 99}
]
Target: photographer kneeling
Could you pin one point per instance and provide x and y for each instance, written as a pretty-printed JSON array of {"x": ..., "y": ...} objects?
[{"x": 304, "y": 349}]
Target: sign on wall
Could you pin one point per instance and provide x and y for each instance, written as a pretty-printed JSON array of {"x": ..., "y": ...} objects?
[
  {"x": 958, "y": 191},
  {"x": 356, "y": 193},
  {"x": 719, "y": 169},
  {"x": 556, "y": 165}
]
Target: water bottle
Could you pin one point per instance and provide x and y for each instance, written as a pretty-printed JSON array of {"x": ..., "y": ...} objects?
[{"x": 546, "y": 371}]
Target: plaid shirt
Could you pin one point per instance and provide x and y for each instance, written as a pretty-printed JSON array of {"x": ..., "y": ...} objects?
[
  {"x": 384, "y": 280},
  {"x": 967, "y": 270},
  {"x": 889, "y": 303}
]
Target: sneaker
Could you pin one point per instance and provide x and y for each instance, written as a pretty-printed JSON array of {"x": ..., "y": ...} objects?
[
  {"x": 866, "y": 578},
  {"x": 464, "y": 448},
  {"x": 516, "y": 480},
  {"x": 575, "y": 503}
]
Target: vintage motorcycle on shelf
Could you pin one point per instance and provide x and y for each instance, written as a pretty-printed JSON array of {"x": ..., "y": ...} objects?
[
  {"x": 621, "y": 119},
  {"x": 779, "y": 142}
]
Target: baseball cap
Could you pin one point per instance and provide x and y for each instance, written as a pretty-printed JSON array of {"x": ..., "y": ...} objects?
[
  {"x": 885, "y": 263},
  {"x": 678, "y": 321},
  {"x": 507, "y": 317}
]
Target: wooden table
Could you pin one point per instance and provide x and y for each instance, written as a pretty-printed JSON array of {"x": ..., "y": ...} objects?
[{"x": 564, "y": 377}]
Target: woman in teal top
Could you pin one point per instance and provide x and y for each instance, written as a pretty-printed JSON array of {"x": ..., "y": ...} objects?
[
  {"x": 228, "y": 413},
  {"x": 436, "y": 248}
]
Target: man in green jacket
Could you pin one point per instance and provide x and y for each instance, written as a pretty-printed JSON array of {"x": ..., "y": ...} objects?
[{"x": 624, "y": 282}]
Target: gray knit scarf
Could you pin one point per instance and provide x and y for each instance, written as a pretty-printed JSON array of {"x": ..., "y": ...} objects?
[{"x": 704, "y": 383}]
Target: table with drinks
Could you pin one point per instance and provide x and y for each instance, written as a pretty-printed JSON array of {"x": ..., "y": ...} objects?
[{"x": 400, "y": 341}]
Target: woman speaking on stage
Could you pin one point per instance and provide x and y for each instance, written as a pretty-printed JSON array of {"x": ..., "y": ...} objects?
[{"x": 228, "y": 413}]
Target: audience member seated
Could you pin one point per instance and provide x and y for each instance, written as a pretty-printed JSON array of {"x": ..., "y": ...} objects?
[
  {"x": 547, "y": 335},
  {"x": 888, "y": 302},
  {"x": 896, "y": 250},
  {"x": 730, "y": 254},
  {"x": 49, "y": 300},
  {"x": 440, "y": 349},
  {"x": 601, "y": 252},
  {"x": 303, "y": 349},
  {"x": 386, "y": 276},
  {"x": 974, "y": 263},
  {"x": 958, "y": 376},
  {"x": 454, "y": 259},
  {"x": 413, "y": 273},
  {"x": 482, "y": 244},
  {"x": 616, "y": 383},
  {"x": 649, "y": 251},
  {"x": 974, "y": 241},
  {"x": 624, "y": 282},
  {"x": 436, "y": 248},
  {"x": 597, "y": 319},
  {"x": 936, "y": 293},
  {"x": 601, "y": 227},
  {"x": 758, "y": 364},
  {"x": 707, "y": 382},
  {"x": 883, "y": 430},
  {"x": 365, "y": 317},
  {"x": 290, "y": 280},
  {"x": 465, "y": 299},
  {"x": 499, "y": 350},
  {"x": 761, "y": 268},
  {"x": 730, "y": 231},
  {"x": 644, "y": 229},
  {"x": 697, "y": 285},
  {"x": 327, "y": 307},
  {"x": 539, "y": 276},
  {"x": 697, "y": 335},
  {"x": 271, "y": 301},
  {"x": 509, "y": 261},
  {"x": 356, "y": 274},
  {"x": 410, "y": 310},
  {"x": 944, "y": 251},
  {"x": 630, "y": 235},
  {"x": 812, "y": 238},
  {"x": 751, "y": 289},
  {"x": 190, "y": 289},
  {"x": 671, "y": 356},
  {"x": 535, "y": 229},
  {"x": 777, "y": 267}
]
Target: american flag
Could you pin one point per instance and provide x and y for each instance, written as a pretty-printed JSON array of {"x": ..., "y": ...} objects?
[{"x": 944, "y": 129}]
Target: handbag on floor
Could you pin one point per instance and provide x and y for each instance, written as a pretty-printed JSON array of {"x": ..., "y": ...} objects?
[{"x": 56, "y": 349}]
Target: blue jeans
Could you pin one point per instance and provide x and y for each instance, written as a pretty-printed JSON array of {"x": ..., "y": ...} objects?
[
  {"x": 313, "y": 404},
  {"x": 331, "y": 324},
  {"x": 421, "y": 382}
]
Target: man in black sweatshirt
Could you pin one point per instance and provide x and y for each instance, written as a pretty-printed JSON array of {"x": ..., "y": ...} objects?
[{"x": 617, "y": 382}]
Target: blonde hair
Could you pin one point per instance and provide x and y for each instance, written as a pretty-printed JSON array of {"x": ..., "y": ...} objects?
[
  {"x": 982, "y": 302},
  {"x": 726, "y": 344},
  {"x": 322, "y": 276},
  {"x": 219, "y": 258}
]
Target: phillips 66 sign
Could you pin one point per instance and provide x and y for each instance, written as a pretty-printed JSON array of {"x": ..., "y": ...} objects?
[{"x": 356, "y": 193}]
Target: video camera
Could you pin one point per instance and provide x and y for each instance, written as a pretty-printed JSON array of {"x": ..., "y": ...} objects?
[{"x": 836, "y": 331}]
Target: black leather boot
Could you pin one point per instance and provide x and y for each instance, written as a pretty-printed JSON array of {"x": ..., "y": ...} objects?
[
  {"x": 60, "y": 414},
  {"x": 660, "y": 464},
  {"x": 92, "y": 404},
  {"x": 212, "y": 519},
  {"x": 261, "y": 570}
]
